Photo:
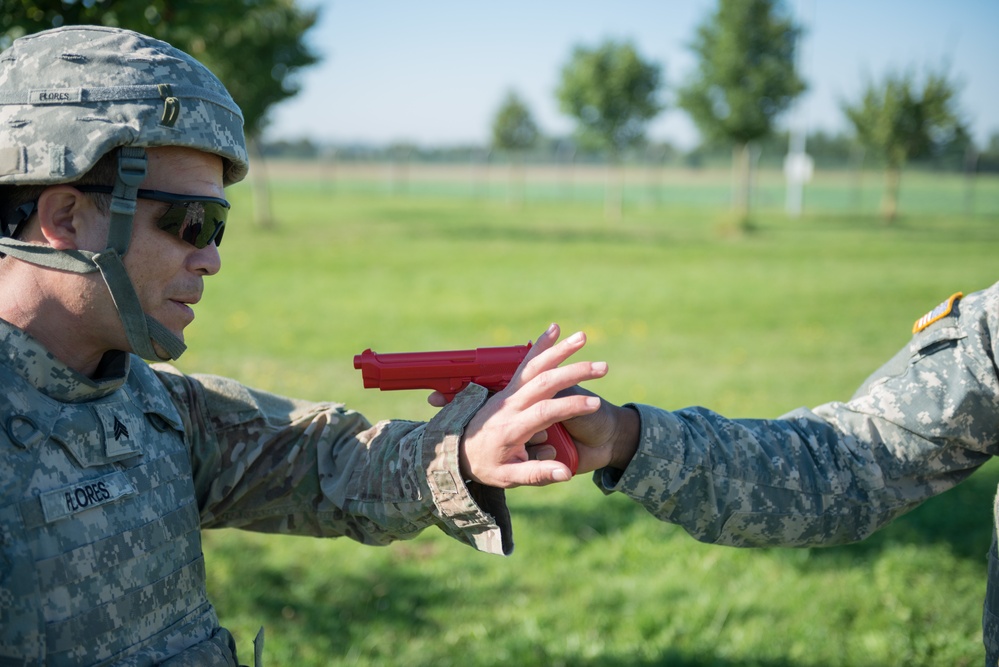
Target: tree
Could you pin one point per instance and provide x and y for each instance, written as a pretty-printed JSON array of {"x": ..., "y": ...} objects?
[
  {"x": 897, "y": 120},
  {"x": 267, "y": 39},
  {"x": 255, "y": 47},
  {"x": 744, "y": 80},
  {"x": 612, "y": 92},
  {"x": 514, "y": 130}
]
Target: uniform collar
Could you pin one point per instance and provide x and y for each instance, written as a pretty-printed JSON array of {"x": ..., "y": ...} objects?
[{"x": 28, "y": 358}]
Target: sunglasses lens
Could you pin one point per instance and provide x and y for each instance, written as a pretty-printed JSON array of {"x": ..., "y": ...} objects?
[{"x": 197, "y": 222}]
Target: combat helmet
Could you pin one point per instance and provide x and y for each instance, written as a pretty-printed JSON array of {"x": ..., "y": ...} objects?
[{"x": 70, "y": 95}]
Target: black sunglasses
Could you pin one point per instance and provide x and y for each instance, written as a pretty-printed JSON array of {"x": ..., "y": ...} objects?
[{"x": 196, "y": 219}]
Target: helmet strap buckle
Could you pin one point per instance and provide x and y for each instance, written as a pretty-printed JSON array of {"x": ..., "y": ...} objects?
[{"x": 131, "y": 173}]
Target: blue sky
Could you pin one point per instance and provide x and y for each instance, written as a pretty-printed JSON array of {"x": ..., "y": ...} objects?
[{"x": 434, "y": 72}]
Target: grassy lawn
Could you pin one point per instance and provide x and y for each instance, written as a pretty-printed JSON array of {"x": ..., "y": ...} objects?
[{"x": 795, "y": 313}]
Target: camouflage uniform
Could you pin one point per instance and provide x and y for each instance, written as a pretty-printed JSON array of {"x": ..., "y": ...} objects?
[
  {"x": 105, "y": 484},
  {"x": 106, "y": 481},
  {"x": 918, "y": 426}
]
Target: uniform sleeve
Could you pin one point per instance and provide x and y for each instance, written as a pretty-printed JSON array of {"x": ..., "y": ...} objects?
[
  {"x": 273, "y": 464},
  {"x": 919, "y": 425}
]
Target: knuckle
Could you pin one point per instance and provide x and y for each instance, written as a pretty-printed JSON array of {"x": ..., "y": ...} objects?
[
  {"x": 547, "y": 382},
  {"x": 545, "y": 412}
]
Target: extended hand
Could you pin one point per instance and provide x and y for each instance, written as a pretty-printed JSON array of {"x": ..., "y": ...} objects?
[
  {"x": 607, "y": 437},
  {"x": 494, "y": 450}
]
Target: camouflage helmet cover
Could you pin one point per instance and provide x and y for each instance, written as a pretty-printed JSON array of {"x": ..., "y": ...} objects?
[{"x": 72, "y": 94}]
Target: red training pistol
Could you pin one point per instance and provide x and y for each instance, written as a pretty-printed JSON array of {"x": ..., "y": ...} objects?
[{"x": 451, "y": 371}]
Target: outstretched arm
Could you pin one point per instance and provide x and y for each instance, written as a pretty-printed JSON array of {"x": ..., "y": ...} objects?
[{"x": 917, "y": 427}]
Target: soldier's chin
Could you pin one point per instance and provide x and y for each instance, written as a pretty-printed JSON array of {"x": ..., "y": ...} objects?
[{"x": 160, "y": 351}]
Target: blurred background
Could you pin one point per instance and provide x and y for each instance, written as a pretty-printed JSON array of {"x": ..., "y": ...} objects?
[
  {"x": 796, "y": 86},
  {"x": 436, "y": 74}
]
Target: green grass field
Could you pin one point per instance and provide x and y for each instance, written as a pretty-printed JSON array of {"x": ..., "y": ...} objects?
[{"x": 797, "y": 312}]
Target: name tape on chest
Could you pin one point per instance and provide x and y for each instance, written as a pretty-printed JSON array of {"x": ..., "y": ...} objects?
[
  {"x": 938, "y": 313},
  {"x": 85, "y": 495}
]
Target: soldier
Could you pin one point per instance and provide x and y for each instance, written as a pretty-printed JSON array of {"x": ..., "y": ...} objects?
[
  {"x": 114, "y": 152},
  {"x": 918, "y": 426}
]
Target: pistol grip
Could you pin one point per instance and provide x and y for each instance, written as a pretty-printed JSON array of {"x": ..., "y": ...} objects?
[{"x": 565, "y": 448}]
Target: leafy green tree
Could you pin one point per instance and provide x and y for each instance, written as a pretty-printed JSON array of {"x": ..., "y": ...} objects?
[
  {"x": 613, "y": 93},
  {"x": 267, "y": 39},
  {"x": 255, "y": 47},
  {"x": 515, "y": 131},
  {"x": 514, "y": 128},
  {"x": 744, "y": 80},
  {"x": 898, "y": 120}
]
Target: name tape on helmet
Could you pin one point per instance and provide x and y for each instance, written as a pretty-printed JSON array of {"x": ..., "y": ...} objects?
[{"x": 56, "y": 96}]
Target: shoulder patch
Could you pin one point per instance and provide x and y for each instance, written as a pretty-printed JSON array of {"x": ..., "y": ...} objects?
[{"x": 938, "y": 313}]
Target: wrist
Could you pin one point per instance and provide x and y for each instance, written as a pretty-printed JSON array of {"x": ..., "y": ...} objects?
[{"x": 626, "y": 434}]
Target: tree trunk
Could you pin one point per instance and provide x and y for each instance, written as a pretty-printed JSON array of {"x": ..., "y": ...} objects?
[
  {"x": 613, "y": 189},
  {"x": 260, "y": 186},
  {"x": 480, "y": 167},
  {"x": 327, "y": 166},
  {"x": 515, "y": 195},
  {"x": 567, "y": 165},
  {"x": 741, "y": 185},
  {"x": 889, "y": 199},
  {"x": 857, "y": 165}
]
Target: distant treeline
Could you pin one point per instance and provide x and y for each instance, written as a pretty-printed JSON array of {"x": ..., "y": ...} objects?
[{"x": 828, "y": 151}]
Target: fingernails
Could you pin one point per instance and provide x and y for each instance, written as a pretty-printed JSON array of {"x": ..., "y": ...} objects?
[
  {"x": 576, "y": 337},
  {"x": 593, "y": 402},
  {"x": 599, "y": 367},
  {"x": 561, "y": 475},
  {"x": 551, "y": 328}
]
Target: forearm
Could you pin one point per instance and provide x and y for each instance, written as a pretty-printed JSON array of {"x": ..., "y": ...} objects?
[
  {"x": 796, "y": 481},
  {"x": 273, "y": 464},
  {"x": 407, "y": 474},
  {"x": 918, "y": 426}
]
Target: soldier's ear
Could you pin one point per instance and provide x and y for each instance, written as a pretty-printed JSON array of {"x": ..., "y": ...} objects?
[{"x": 66, "y": 218}]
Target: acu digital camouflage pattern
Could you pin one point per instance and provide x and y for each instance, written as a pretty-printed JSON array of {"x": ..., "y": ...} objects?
[
  {"x": 70, "y": 95},
  {"x": 106, "y": 484},
  {"x": 918, "y": 426}
]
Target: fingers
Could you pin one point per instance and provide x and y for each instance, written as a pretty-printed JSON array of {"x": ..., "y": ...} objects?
[
  {"x": 540, "y": 399},
  {"x": 546, "y": 353},
  {"x": 546, "y": 340},
  {"x": 532, "y": 473},
  {"x": 502, "y": 445},
  {"x": 538, "y": 438},
  {"x": 540, "y": 452},
  {"x": 551, "y": 354},
  {"x": 552, "y": 411}
]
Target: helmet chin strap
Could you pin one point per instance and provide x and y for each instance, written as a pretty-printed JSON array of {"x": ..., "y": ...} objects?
[{"x": 140, "y": 329}]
